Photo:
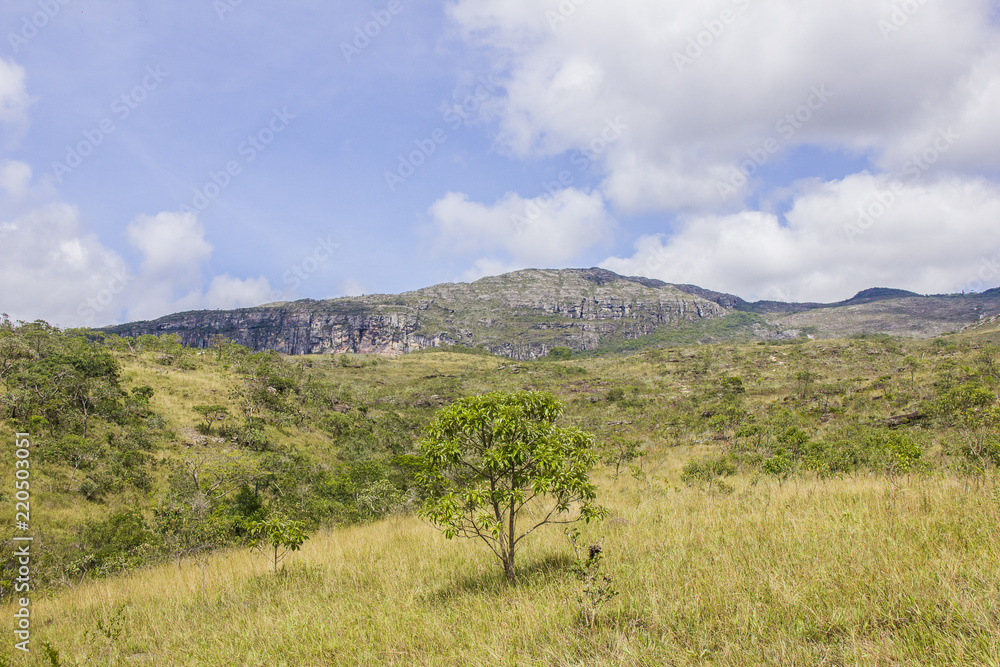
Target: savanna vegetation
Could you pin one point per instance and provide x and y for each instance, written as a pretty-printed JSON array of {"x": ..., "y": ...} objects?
[{"x": 815, "y": 502}]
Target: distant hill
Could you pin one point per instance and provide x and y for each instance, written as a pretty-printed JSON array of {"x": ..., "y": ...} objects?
[{"x": 526, "y": 313}]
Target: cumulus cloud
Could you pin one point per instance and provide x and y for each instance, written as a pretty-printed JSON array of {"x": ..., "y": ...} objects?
[
  {"x": 171, "y": 243},
  {"x": 49, "y": 266},
  {"x": 838, "y": 238},
  {"x": 700, "y": 84},
  {"x": 543, "y": 231},
  {"x": 713, "y": 91},
  {"x": 174, "y": 250},
  {"x": 52, "y": 269},
  {"x": 226, "y": 292}
]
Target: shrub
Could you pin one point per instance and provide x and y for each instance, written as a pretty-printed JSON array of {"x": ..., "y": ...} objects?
[
  {"x": 560, "y": 353},
  {"x": 708, "y": 471},
  {"x": 120, "y": 542}
]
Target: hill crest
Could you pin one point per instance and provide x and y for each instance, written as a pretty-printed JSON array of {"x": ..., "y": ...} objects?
[{"x": 524, "y": 314}]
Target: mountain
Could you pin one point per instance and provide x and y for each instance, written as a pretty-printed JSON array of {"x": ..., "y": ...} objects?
[{"x": 526, "y": 313}]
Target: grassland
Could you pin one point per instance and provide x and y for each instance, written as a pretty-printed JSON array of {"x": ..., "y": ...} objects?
[
  {"x": 838, "y": 572},
  {"x": 867, "y": 566}
]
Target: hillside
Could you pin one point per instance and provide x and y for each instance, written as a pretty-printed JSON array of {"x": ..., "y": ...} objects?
[
  {"x": 525, "y": 314},
  {"x": 771, "y": 503},
  {"x": 520, "y": 315}
]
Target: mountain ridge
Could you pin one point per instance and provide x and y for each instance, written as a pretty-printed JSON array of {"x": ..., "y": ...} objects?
[{"x": 524, "y": 314}]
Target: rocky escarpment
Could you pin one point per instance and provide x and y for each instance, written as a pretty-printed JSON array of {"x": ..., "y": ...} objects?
[
  {"x": 525, "y": 314},
  {"x": 521, "y": 315}
]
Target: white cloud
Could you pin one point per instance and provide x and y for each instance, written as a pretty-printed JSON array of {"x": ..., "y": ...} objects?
[
  {"x": 14, "y": 178},
  {"x": 837, "y": 239},
  {"x": 171, "y": 243},
  {"x": 50, "y": 268},
  {"x": 543, "y": 231},
  {"x": 757, "y": 63},
  {"x": 225, "y": 292},
  {"x": 14, "y": 99},
  {"x": 174, "y": 251}
]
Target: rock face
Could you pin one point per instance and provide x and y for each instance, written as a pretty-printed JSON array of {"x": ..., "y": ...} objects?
[
  {"x": 520, "y": 315},
  {"x": 524, "y": 314}
]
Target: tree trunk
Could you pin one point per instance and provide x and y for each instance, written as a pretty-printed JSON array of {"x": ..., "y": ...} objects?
[
  {"x": 508, "y": 568},
  {"x": 508, "y": 565}
]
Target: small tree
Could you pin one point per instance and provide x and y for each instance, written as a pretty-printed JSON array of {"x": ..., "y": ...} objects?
[
  {"x": 211, "y": 414},
  {"x": 621, "y": 452},
  {"x": 597, "y": 587},
  {"x": 496, "y": 467},
  {"x": 276, "y": 535}
]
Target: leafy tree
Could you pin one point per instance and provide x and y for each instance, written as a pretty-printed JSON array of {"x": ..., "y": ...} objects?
[
  {"x": 804, "y": 381},
  {"x": 76, "y": 452},
  {"x": 225, "y": 349},
  {"x": 146, "y": 342},
  {"x": 496, "y": 468},
  {"x": 211, "y": 414},
  {"x": 364, "y": 491},
  {"x": 730, "y": 411},
  {"x": 94, "y": 379},
  {"x": 560, "y": 353},
  {"x": 277, "y": 535},
  {"x": 63, "y": 377},
  {"x": 116, "y": 543},
  {"x": 13, "y": 348}
]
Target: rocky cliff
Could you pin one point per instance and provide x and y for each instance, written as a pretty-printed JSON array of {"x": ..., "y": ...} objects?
[
  {"x": 524, "y": 314},
  {"x": 521, "y": 315}
]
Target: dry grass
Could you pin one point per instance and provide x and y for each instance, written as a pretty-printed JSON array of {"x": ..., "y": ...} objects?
[
  {"x": 864, "y": 570},
  {"x": 839, "y": 572}
]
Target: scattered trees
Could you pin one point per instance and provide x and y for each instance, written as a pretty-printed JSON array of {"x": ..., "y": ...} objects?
[{"x": 973, "y": 408}]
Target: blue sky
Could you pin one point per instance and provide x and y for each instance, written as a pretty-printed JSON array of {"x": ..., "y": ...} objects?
[{"x": 217, "y": 153}]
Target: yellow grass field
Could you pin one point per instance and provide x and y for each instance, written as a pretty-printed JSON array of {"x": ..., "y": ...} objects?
[{"x": 866, "y": 571}]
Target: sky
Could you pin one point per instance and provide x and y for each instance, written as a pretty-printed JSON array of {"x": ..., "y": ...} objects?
[{"x": 201, "y": 154}]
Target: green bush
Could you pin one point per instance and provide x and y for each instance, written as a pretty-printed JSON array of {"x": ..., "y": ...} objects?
[
  {"x": 615, "y": 394},
  {"x": 560, "y": 353},
  {"x": 120, "y": 542},
  {"x": 249, "y": 434},
  {"x": 708, "y": 472}
]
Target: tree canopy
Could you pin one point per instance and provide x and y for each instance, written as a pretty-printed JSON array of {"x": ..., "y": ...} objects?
[{"x": 486, "y": 459}]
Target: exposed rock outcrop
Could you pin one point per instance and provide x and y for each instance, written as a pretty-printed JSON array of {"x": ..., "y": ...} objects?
[
  {"x": 521, "y": 315},
  {"x": 524, "y": 314}
]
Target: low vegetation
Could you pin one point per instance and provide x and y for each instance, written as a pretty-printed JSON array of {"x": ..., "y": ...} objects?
[{"x": 814, "y": 502}]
